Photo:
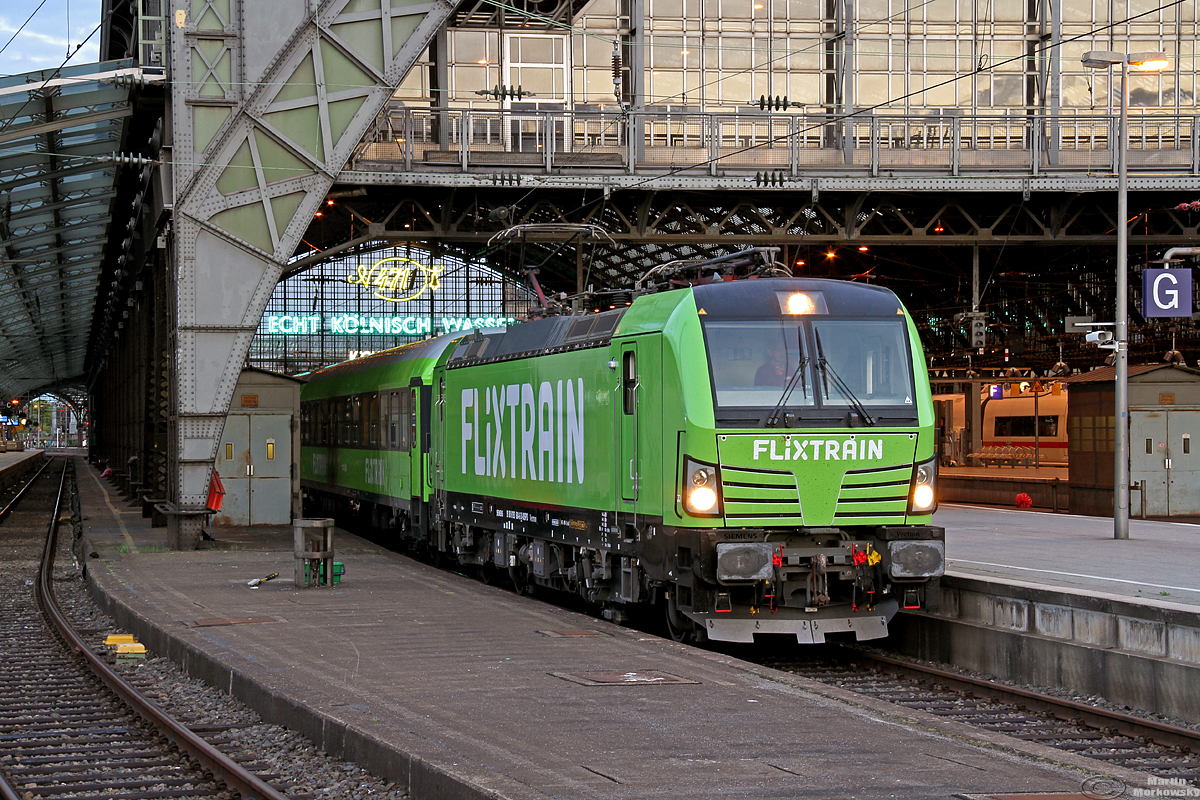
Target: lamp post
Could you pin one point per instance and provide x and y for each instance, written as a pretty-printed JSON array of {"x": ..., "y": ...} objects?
[{"x": 1145, "y": 62}]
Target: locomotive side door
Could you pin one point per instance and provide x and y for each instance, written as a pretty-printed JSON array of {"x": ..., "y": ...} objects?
[
  {"x": 439, "y": 450},
  {"x": 628, "y": 462}
]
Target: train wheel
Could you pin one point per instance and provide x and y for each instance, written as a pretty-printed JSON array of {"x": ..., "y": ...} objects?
[
  {"x": 520, "y": 578},
  {"x": 488, "y": 574},
  {"x": 680, "y": 627}
]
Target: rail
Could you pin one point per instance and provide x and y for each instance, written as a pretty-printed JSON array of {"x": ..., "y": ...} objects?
[
  {"x": 1160, "y": 733},
  {"x": 223, "y": 768},
  {"x": 775, "y": 148}
]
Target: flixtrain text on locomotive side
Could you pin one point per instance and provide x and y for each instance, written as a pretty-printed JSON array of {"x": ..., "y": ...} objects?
[{"x": 755, "y": 456}]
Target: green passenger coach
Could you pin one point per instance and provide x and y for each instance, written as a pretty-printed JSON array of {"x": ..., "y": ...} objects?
[{"x": 753, "y": 456}]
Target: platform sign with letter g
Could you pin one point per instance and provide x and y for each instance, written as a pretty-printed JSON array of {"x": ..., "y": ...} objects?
[{"x": 1167, "y": 293}]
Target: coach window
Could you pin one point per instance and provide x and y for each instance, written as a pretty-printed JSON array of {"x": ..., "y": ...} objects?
[
  {"x": 403, "y": 422},
  {"x": 412, "y": 415},
  {"x": 389, "y": 421},
  {"x": 359, "y": 436},
  {"x": 629, "y": 374},
  {"x": 347, "y": 422},
  {"x": 371, "y": 415}
]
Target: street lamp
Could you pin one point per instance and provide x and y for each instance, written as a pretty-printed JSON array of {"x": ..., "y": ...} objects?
[{"x": 1143, "y": 62}]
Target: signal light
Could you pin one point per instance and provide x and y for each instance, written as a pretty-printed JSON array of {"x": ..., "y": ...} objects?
[{"x": 978, "y": 333}]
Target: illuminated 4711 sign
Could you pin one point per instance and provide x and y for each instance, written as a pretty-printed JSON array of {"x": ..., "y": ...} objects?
[{"x": 397, "y": 279}]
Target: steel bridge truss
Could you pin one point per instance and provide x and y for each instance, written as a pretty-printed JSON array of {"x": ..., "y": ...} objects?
[
  {"x": 646, "y": 228},
  {"x": 1027, "y": 262}
]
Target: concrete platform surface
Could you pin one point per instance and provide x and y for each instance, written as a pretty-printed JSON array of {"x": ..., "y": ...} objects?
[
  {"x": 1156, "y": 564},
  {"x": 11, "y": 458},
  {"x": 466, "y": 690}
]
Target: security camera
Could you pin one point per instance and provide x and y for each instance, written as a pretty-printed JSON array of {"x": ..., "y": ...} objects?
[{"x": 1099, "y": 337}]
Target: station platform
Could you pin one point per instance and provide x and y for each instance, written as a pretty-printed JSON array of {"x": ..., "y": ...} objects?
[
  {"x": 1075, "y": 553},
  {"x": 461, "y": 690},
  {"x": 15, "y": 462},
  {"x": 1046, "y": 486}
]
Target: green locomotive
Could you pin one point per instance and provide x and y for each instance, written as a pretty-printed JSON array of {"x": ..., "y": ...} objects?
[{"x": 755, "y": 456}]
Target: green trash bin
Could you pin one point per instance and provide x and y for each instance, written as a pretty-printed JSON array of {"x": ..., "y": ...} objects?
[{"x": 339, "y": 569}]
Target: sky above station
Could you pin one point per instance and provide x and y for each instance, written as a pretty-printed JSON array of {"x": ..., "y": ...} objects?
[{"x": 39, "y": 34}]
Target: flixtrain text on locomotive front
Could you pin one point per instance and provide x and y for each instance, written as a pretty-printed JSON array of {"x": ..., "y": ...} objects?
[{"x": 753, "y": 454}]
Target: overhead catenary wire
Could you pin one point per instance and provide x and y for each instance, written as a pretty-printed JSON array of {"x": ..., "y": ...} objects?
[
  {"x": 23, "y": 24},
  {"x": 58, "y": 70}
]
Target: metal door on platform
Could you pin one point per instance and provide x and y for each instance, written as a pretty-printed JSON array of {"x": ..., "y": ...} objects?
[
  {"x": 254, "y": 462},
  {"x": 233, "y": 457},
  {"x": 1162, "y": 456}
]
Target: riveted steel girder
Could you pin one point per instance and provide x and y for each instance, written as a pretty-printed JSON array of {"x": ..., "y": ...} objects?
[
  {"x": 268, "y": 101},
  {"x": 648, "y": 227}
]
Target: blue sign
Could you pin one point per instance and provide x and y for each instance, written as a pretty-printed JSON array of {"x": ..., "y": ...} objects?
[{"x": 1167, "y": 293}]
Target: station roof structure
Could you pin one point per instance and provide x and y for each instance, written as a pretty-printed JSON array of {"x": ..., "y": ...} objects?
[{"x": 59, "y": 130}]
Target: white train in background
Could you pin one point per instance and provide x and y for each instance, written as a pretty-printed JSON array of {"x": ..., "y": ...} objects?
[{"x": 1016, "y": 428}]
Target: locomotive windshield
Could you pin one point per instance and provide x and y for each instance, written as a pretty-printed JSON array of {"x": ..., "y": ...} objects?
[
  {"x": 752, "y": 363},
  {"x": 870, "y": 356}
]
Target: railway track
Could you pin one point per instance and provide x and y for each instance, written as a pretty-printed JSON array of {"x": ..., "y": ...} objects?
[
  {"x": 1144, "y": 745},
  {"x": 70, "y": 725}
]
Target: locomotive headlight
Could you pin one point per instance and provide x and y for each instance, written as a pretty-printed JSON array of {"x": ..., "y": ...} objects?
[
  {"x": 700, "y": 489},
  {"x": 702, "y": 498},
  {"x": 923, "y": 494},
  {"x": 797, "y": 303}
]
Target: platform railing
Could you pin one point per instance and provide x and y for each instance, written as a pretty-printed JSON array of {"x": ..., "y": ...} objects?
[{"x": 937, "y": 143}]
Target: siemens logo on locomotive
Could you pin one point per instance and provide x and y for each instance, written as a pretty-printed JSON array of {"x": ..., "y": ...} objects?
[
  {"x": 544, "y": 431},
  {"x": 821, "y": 449}
]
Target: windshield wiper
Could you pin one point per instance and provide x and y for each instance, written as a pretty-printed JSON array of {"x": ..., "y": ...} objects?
[
  {"x": 827, "y": 371},
  {"x": 791, "y": 384}
]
